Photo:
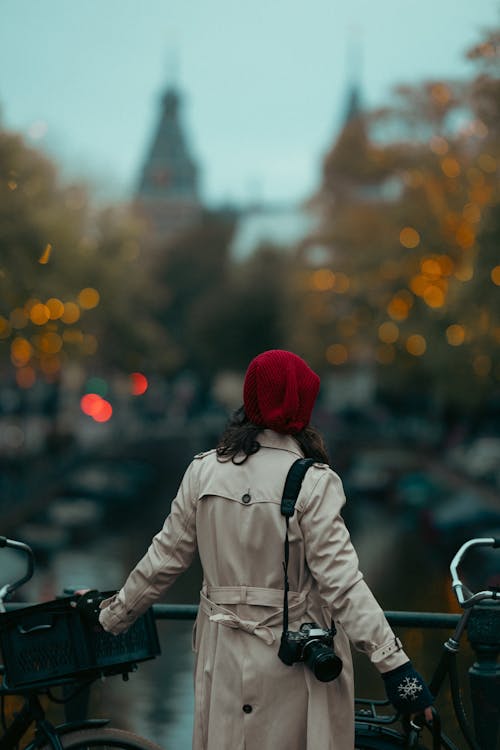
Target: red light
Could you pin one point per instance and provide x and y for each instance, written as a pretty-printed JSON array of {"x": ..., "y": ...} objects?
[
  {"x": 89, "y": 403},
  {"x": 104, "y": 412},
  {"x": 96, "y": 407},
  {"x": 138, "y": 384}
]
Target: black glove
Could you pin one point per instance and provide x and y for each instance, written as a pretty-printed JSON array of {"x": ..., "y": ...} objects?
[
  {"x": 87, "y": 605},
  {"x": 406, "y": 689}
]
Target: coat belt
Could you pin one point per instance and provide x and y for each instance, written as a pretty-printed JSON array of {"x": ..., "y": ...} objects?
[
  {"x": 297, "y": 606},
  {"x": 260, "y": 597}
]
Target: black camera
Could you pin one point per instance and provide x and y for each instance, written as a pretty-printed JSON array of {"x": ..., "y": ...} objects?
[{"x": 314, "y": 646}]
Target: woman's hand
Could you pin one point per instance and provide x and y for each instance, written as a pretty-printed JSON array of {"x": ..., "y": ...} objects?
[
  {"x": 407, "y": 691},
  {"x": 87, "y": 604}
]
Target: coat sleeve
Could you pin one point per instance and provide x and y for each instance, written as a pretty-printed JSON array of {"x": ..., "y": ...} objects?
[
  {"x": 170, "y": 553},
  {"x": 334, "y": 564}
]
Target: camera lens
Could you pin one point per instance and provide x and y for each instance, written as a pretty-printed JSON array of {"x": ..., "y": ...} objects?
[{"x": 322, "y": 661}]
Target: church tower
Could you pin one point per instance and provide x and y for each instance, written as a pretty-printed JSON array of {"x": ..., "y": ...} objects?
[{"x": 167, "y": 196}]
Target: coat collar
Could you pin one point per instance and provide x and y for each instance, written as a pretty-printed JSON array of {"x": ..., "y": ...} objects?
[{"x": 271, "y": 439}]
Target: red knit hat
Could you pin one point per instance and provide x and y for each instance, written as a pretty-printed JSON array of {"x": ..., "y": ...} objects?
[{"x": 279, "y": 391}]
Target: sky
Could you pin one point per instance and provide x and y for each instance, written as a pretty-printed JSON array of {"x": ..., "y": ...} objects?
[{"x": 264, "y": 82}]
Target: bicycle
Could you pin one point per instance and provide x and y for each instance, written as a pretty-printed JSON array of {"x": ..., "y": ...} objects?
[
  {"x": 372, "y": 732},
  {"x": 49, "y": 645}
]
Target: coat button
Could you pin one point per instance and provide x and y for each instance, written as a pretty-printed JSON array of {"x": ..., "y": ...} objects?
[
  {"x": 246, "y": 498},
  {"x": 247, "y": 708}
]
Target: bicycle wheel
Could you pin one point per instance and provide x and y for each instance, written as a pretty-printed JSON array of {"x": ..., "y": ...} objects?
[
  {"x": 373, "y": 737},
  {"x": 103, "y": 738}
]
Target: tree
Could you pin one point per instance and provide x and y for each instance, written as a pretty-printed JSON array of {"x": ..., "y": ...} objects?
[
  {"x": 410, "y": 225},
  {"x": 72, "y": 284}
]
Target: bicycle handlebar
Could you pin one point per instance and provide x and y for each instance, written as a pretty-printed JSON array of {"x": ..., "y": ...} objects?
[
  {"x": 11, "y": 587},
  {"x": 467, "y": 598}
]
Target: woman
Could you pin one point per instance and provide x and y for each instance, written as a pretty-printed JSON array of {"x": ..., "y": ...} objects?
[{"x": 228, "y": 506}]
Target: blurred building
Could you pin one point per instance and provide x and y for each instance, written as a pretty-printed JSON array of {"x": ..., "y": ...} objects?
[
  {"x": 168, "y": 197},
  {"x": 351, "y": 167}
]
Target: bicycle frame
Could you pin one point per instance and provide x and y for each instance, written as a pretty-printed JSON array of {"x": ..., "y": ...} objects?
[
  {"x": 46, "y": 733},
  {"x": 482, "y": 624}
]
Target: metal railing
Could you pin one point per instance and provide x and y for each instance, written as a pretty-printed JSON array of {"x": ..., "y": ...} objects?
[
  {"x": 398, "y": 619},
  {"x": 484, "y": 674},
  {"x": 439, "y": 620}
]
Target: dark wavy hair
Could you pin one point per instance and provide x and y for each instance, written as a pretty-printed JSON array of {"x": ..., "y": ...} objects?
[{"x": 241, "y": 437}]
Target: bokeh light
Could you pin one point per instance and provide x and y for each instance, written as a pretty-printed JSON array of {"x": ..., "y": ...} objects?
[
  {"x": 336, "y": 354},
  {"x": 450, "y": 166},
  {"x": 416, "y": 345},
  {"x": 455, "y": 334},
  {"x": 96, "y": 407},
  {"x": 25, "y": 377},
  {"x": 439, "y": 145},
  {"x": 50, "y": 343},
  {"x": 464, "y": 272},
  {"x": 488, "y": 163},
  {"x": 495, "y": 275},
  {"x": 431, "y": 268},
  {"x": 138, "y": 383},
  {"x": 21, "y": 351},
  {"x": 323, "y": 279},
  {"x": 398, "y": 308},
  {"x": 97, "y": 385},
  {"x": 465, "y": 236},
  {"x": 55, "y": 307},
  {"x": 39, "y": 314},
  {"x": 409, "y": 237},
  {"x": 434, "y": 296},
  {"x": 88, "y": 298},
  {"x": 88, "y": 402},
  {"x": 104, "y": 412},
  {"x": 388, "y": 332},
  {"x": 441, "y": 93},
  {"x": 71, "y": 313}
]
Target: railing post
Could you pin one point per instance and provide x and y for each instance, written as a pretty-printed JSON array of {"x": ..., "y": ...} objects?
[{"x": 483, "y": 630}]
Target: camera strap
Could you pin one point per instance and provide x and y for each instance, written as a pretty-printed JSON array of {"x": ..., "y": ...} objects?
[{"x": 293, "y": 483}]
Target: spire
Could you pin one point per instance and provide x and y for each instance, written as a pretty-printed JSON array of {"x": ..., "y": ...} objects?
[
  {"x": 353, "y": 107},
  {"x": 354, "y": 65},
  {"x": 345, "y": 162},
  {"x": 169, "y": 169},
  {"x": 168, "y": 193}
]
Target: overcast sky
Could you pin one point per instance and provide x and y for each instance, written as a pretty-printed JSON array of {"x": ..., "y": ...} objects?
[{"x": 264, "y": 81}]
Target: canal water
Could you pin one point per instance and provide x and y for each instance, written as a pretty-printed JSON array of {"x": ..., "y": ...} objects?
[{"x": 402, "y": 569}]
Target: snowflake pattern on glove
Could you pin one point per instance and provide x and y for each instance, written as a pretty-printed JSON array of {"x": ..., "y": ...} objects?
[{"x": 409, "y": 688}]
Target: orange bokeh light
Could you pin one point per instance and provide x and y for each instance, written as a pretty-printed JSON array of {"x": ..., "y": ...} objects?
[
  {"x": 71, "y": 313},
  {"x": 55, "y": 307},
  {"x": 89, "y": 298},
  {"x": 39, "y": 314},
  {"x": 409, "y": 237}
]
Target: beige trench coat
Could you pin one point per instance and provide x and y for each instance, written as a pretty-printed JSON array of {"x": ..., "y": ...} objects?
[{"x": 245, "y": 697}]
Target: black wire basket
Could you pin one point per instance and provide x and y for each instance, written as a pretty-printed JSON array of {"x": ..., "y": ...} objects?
[{"x": 49, "y": 642}]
